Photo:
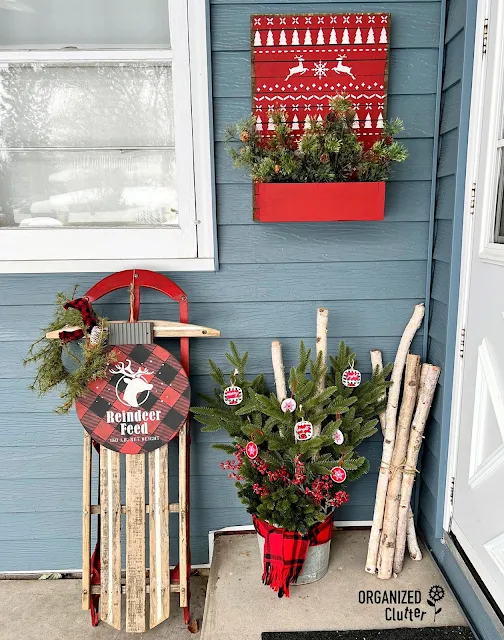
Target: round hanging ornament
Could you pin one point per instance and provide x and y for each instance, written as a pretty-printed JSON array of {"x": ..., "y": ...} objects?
[
  {"x": 288, "y": 405},
  {"x": 303, "y": 430},
  {"x": 338, "y": 475},
  {"x": 252, "y": 450},
  {"x": 233, "y": 395},
  {"x": 338, "y": 437},
  {"x": 351, "y": 377}
]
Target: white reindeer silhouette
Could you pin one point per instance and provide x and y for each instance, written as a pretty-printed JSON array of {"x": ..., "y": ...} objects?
[
  {"x": 134, "y": 381},
  {"x": 341, "y": 68},
  {"x": 298, "y": 68}
]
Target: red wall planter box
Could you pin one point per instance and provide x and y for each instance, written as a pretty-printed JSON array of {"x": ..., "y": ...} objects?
[{"x": 318, "y": 201}]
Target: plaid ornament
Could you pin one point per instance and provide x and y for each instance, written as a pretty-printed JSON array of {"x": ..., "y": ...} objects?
[
  {"x": 285, "y": 551},
  {"x": 141, "y": 403}
]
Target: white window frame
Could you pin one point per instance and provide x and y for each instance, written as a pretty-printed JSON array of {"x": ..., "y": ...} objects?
[{"x": 188, "y": 246}]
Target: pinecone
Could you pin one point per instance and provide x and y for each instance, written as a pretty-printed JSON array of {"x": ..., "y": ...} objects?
[
  {"x": 388, "y": 140},
  {"x": 324, "y": 158},
  {"x": 244, "y": 136}
]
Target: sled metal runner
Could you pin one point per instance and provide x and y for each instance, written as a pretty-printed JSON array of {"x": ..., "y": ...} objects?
[{"x": 103, "y": 578}]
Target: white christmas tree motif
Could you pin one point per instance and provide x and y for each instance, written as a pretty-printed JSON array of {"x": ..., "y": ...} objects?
[
  {"x": 295, "y": 37},
  {"x": 319, "y": 119},
  {"x": 383, "y": 36},
  {"x": 283, "y": 39},
  {"x": 358, "y": 37},
  {"x": 379, "y": 122},
  {"x": 367, "y": 123},
  {"x": 355, "y": 124},
  {"x": 332, "y": 38},
  {"x": 259, "y": 124},
  {"x": 320, "y": 69},
  {"x": 295, "y": 122},
  {"x": 370, "y": 36},
  {"x": 307, "y": 38},
  {"x": 307, "y": 122},
  {"x": 257, "y": 39},
  {"x": 345, "y": 39},
  {"x": 269, "y": 41},
  {"x": 320, "y": 37}
]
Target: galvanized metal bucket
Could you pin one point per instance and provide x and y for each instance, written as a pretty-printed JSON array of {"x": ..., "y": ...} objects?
[{"x": 315, "y": 565}]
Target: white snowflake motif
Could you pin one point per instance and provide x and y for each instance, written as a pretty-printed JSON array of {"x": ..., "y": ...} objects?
[
  {"x": 380, "y": 106},
  {"x": 295, "y": 20},
  {"x": 334, "y": 19},
  {"x": 358, "y": 19},
  {"x": 346, "y": 19},
  {"x": 320, "y": 69},
  {"x": 269, "y": 20},
  {"x": 307, "y": 20},
  {"x": 283, "y": 20},
  {"x": 369, "y": 106},
  {"x": 257, "y": 21},
  {"x": 283, "y": 107},
  {"x": 384, "y": 19},
  {"x": 371, "y": 19},
  {"x": 320, "y": 19},
  {"x": 295, "y": 107},
  {"x": 320, "y": 107}
]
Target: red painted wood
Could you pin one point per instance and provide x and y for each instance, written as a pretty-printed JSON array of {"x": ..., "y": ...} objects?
[
  {"x": 319, "y": 202},
  {"x": 302, "y": 88}
]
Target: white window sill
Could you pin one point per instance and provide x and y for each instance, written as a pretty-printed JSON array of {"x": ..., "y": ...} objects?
[{"x": 103, "y": 266}]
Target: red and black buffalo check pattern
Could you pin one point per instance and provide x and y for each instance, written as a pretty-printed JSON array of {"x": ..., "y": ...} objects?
[{"x": 170, "y": 395}]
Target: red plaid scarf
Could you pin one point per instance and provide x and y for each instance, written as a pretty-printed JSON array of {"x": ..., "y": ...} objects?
[
  {"x": 285, "y": 551},
  {"x": 88, "y": 315}
]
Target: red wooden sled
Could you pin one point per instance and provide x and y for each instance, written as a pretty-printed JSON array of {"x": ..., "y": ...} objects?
[{"x": 102, "y": 575}]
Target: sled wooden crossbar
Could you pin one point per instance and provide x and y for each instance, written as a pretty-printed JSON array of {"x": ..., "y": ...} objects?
[{"x": 162, "y": 329}]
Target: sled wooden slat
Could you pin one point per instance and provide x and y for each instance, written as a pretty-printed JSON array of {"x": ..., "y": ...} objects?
[
  {"x": 183, "y": 546},
  {"x": 159, "y": 540},
  {"x": 110, "y": 534},
  {"x": 86, "y": 522},
  {"x": 135, "y": 543},
  {"x": 172, "y": 508}
]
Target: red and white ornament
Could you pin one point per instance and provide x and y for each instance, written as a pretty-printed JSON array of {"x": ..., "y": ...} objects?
[
  {"x": 252, "y": 450},
  {"x": 303, "y": 430},
  {"x": 338, "y": 475},
  {"x": 338, "y": 437},
  {"x": 233, "y": 395},
  {"x": 351, "y": 377},
  {"x": 288, "y": 405}
]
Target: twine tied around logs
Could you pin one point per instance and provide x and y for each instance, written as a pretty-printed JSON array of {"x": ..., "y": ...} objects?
[{"x": 393, "y": 469}]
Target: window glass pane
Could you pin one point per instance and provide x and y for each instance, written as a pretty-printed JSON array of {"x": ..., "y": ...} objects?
[
  {"x": 88, "y": 188},
  {"x": 84, "y": 23},
  {"x": 106, "y": 105},
  {"x": 499, "y": 218}
]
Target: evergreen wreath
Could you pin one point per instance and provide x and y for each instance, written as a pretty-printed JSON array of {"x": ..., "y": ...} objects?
[
  {"x": 329, "y": 151},
  {"x": 288, "y": 484},
  {"x": 91, "y": 359}
]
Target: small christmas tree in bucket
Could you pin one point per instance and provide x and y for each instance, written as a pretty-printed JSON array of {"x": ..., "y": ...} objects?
[{"x": 295, "y": 451}]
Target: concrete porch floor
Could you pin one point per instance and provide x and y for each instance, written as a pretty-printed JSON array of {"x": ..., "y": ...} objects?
[
  {"x": 50, "y": 610},
  {"x": 239, "y": 606}
]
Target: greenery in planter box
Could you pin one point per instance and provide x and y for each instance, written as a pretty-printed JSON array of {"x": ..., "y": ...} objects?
[
  {"x": 288, "y": 484},
  {"x": 329, "y": 151}
]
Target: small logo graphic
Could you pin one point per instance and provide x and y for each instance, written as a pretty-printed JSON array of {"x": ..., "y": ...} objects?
[
  {"x": 436, "y": 593},
  {"x": 131, "y": 384}
]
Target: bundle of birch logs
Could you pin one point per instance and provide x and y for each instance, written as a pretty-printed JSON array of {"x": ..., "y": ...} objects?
[{"x": 393, "y": 523}]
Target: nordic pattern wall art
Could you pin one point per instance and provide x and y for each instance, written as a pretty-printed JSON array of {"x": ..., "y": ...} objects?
[{"x": 299, "y": 62}]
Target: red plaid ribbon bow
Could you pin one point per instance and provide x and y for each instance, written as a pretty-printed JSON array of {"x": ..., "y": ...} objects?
[
  {"x": 285, "y": 551},
  {"x": 88, "y": 315}
]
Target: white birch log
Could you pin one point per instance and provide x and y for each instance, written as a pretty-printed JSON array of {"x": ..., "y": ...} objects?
[
  {"x": 278, "y": 370},
  {"x": 428, "y": 382},
  {"x": 388, "y": 443},
  {"x": 321, "y": 347},
  {"x": 388, "y": 536},
  {"x": 413, "y": 546}
]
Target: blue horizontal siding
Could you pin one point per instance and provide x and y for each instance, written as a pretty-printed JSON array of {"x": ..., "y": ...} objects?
[{"x": 271, "y": 279}]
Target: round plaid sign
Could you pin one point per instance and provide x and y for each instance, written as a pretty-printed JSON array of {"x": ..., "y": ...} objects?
[{"x": 140, "y": 404}]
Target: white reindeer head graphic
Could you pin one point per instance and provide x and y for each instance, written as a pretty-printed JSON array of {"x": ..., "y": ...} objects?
[{"x": 135, "y": 383}]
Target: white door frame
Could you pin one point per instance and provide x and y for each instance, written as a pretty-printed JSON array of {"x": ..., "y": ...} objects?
[{"x": 473, "y": 151}]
